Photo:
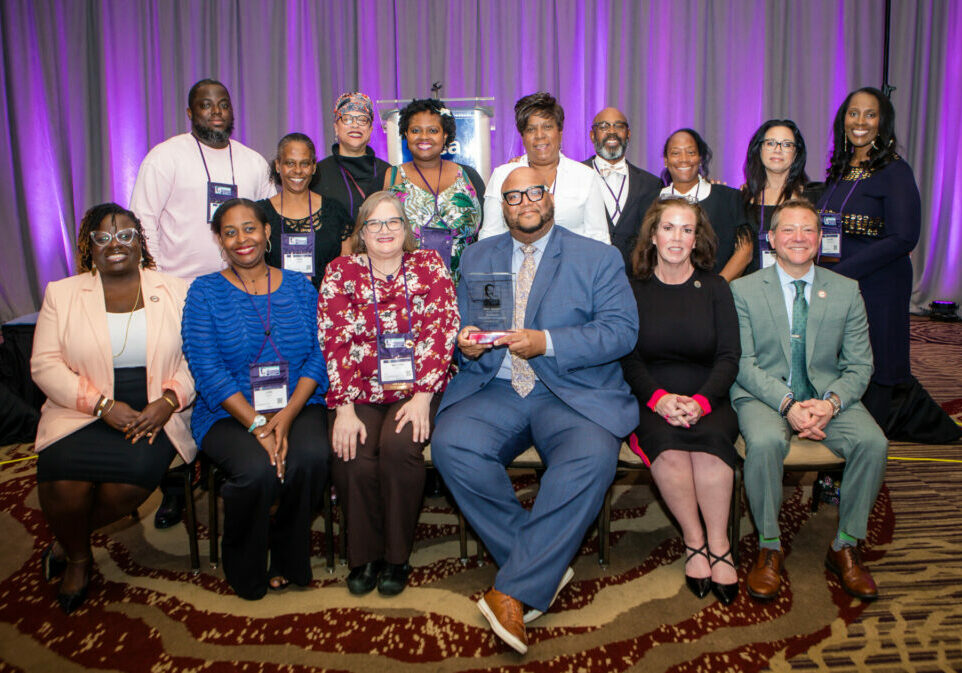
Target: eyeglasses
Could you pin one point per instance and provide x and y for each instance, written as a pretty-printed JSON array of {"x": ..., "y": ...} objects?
[
  {"x": 103, "y": 238},
  {"x": 377, "y": 226},
  {"x": 355, "y": 120},
  {"x": 771, "y": 143},
  {"x": 515, "y": 196},
  {"x": 604, "y": 126}
]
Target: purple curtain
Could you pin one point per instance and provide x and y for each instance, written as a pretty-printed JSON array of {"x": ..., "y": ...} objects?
[{"x": 89, "y": 87}]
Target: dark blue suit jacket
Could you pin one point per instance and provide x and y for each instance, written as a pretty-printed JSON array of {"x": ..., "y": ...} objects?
[{"x": 582, "y": 296}]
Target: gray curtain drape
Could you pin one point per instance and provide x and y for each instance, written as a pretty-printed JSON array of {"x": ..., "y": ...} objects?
[{"x": 90, "y": 86}]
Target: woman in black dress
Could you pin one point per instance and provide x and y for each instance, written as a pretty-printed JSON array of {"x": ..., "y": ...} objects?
[
  {"x": 774, "y": 173},
  {"x": 871, "y": 192},
  {"x": 307, "y": 229},
  {"x": 681, "y": 369},
  {"x": 687, "y": 158}
]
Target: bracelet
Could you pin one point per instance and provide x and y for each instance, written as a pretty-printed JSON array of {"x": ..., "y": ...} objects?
[
  {"x": 99, "y": 407},
  {"x": 788, "y": 406},
  {"x": 167, "y": 400},
  {"x": 106, "y": 411}
]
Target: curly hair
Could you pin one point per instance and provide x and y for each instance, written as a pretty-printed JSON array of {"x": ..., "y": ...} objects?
[
  {"x": 704, "y": 151},
  {"x": 644, "y": 257},
  {"x": 755, "y": 176},
  {"x": 882, "y": 152},
  {"x": 91, "y": 222},
  {"x": 364, "y": 213},
  {"x": 290, "y": 138},
  {"x": 431, "y": 106},
  {"x": 542, "y": 104}
]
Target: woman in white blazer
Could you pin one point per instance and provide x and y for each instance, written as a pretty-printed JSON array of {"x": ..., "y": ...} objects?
[{"x": 107, "y": 353}]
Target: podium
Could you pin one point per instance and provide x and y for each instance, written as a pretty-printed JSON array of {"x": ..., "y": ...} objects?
[{"x": 471, "y": 145}]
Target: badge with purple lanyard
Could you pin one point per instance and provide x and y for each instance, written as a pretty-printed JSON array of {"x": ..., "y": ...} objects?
[
  {"x": 831, "y": 249},
  {"x": 297, "y": 252},
  {"x": 766, "y": 256},
  {"x": 440, "y": 239},
  {"x": 218, "y": 192},
  {"x": 270, "y": 380},
  {"x": 395, "y": 350}
]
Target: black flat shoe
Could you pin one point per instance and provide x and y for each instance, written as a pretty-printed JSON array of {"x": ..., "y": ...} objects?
[
  {"x": 50, "y": 565},
  {"x": 170, "y": 512},
  {"x": 700, "y": 586},
  {"x": 725, "y": 593},
  {"x": 70, "y": 602},
  {"x": 393, "y": 579},
  {"x": 363, "y": 579}
]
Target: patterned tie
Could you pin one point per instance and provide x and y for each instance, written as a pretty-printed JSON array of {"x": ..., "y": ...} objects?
[
  {"x": 801, "y": 387},
  {"x": 522, "y": 376}
]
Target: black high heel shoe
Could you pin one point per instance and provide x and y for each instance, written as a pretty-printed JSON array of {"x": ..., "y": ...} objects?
[
  {"x": 51, "y": 566},
  {"x": 725, "y": 593},
  {"x": 700, "y": 586},
  {"x": 70, "y": 602}
]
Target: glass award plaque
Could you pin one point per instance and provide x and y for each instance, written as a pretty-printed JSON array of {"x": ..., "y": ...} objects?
[{"x": 490, "y": 304}]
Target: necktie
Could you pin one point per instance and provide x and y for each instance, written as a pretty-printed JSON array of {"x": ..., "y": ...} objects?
[
  {"x": 522, "y": 376},
  {"x": 801, "y": 387}
]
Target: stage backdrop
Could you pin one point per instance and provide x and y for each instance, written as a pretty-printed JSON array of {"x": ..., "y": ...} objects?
[{"x": 89, "y": 86}]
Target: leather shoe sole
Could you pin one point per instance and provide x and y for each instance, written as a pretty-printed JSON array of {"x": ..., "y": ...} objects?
[{"x": 512, "y": 640}]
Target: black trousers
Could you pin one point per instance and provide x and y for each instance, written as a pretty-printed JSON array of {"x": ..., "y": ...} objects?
[{"x": 250, "y": 490}]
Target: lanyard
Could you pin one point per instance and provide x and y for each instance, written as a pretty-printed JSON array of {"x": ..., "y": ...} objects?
[
  {"x": 310, "y": 212},
  {"x": 841, "y": 209},
  {"x": 435, "y": 194},
  {"x": 617, "y": 197},
  {"x": 265, "y": 325},
  {"x": 407, "y": 299},
  {"x": 346, "y": 174},
  {"x": 230, "y": 150}
]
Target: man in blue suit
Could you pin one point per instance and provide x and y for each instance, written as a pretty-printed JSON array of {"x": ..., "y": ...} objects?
[{"x": 557, "y": 385}]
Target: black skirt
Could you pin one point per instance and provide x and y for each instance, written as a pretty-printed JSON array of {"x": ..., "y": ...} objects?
[{"x": 98, "y": 453}]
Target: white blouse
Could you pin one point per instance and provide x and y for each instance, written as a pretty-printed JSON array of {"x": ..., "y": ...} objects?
[{"x": 133, "y": 328}]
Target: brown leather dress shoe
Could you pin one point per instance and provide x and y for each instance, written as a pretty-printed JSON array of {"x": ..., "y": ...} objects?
[
  {"x": 855, "y": 578},
  {"x": 505, "y": 615},
  {"x": 765, "y": 579}
]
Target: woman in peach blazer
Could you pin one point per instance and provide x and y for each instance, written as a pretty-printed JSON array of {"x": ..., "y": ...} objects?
[{"x": 107, "y": 353}]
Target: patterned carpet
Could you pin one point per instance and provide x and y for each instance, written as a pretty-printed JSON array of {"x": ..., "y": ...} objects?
[{"x": 146, "y": 612}]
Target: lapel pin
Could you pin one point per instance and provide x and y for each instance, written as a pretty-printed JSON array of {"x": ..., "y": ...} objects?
[
  {"x": 697, "y": 283},
  {"x": 821, "y": 294},
  {"x": 154, "y": 297}
]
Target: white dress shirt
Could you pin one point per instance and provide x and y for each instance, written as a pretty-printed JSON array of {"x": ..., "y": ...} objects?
[
  {"x": 579, "y": 202},
  {"x": 699, "y": 192},
  {"x": 517, "y": 257},
  {"x": 615, "y": 178},
  {"x": 170, "y": 198}
]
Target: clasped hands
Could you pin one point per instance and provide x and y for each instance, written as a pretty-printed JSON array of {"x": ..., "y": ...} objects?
[
  {"x": 525, "y": 343},
  {"x": 138, "y": 424},
  {"x": 809, "y": 418},
  {"x": 678, "y": 410}
]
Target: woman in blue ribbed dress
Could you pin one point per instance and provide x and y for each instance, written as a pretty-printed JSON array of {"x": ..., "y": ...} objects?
[{"x": 250, "y": 339}]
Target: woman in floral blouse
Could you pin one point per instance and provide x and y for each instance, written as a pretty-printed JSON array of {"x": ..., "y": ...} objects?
[
  {"x": 387, "y": 322},
  {"x": 442, "y": 199}
]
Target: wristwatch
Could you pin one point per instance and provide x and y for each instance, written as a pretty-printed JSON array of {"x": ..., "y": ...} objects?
[
  {"x": 836, "y": 404},
  {"x": 259, "y": 421}
]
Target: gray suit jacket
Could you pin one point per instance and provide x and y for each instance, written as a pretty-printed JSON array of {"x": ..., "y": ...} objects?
[{"x": 837, "y": 349}]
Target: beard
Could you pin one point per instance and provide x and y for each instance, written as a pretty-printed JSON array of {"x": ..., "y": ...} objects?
[
  {"x": 546, "y": 216},
  {"x": 208, "y": 135},
  {"x": 611, "y": 154}
]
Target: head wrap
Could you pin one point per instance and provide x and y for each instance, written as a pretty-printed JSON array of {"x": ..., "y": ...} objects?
[{"x": 354, "y": 101}]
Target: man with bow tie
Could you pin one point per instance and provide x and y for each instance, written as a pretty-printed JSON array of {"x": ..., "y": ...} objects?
[{"x": 629, "y": 190}]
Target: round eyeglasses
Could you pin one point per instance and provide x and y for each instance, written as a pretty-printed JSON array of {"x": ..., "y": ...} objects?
[{"x": 362, "y": 121}]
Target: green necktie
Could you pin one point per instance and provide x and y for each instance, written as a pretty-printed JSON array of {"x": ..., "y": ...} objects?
[{"x": 801, "y": 387}]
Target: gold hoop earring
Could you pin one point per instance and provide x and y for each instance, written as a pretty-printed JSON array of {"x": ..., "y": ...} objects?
[{"x": 268, "y": 245}]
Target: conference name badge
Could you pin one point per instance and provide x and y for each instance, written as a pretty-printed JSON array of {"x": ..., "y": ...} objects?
[
  {"x": 297, "y": 253},
  {"x": 218, "y": 193},
  {"x": 269, "y": 385},
  {"x": 395, "y": 361}
]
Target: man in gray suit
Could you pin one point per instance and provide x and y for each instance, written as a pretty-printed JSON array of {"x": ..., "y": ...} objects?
[{"x": 806, "y": 361}]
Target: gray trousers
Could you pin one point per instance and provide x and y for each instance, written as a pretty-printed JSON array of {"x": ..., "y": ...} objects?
[{"x": 852, "y": 435}]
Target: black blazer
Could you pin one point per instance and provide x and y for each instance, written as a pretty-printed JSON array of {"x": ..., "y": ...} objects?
[{"x": 643, "y": 189}]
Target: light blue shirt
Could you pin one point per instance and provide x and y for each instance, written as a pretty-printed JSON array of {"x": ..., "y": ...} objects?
[
  {"x": 517, "y": 257},
  {"x": 788, "y": 290}
]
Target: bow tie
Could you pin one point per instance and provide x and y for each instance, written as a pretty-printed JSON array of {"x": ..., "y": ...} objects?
[{"x": 621, "y": 169}]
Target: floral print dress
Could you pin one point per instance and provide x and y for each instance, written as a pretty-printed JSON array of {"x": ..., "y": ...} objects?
[
  {"x": 459, "y": 211},
  {"x": 347, "y": 327}
]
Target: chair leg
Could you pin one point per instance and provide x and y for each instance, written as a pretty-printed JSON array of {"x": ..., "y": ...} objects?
[
  {"x": 817, "y": 491},
  {"x": 604, "y": 530},
  {"x": 462, "y": 538},
  {"x": 212, "y": 514},
  {"x": 190, "y": 521},
  {"x": 735, "y": 514},
  {"x": 329, "y": 528}
]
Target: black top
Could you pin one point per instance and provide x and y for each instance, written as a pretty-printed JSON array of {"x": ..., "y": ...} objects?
[
  {"x": 331, "y": 227},
  {"x": 368, "y": 172},
  {"x": 727, "y": 216},
  {"x": 643, "y": 189},
  {"x": 811, "y": 192},
  {"x": 688, "y": 344}
]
